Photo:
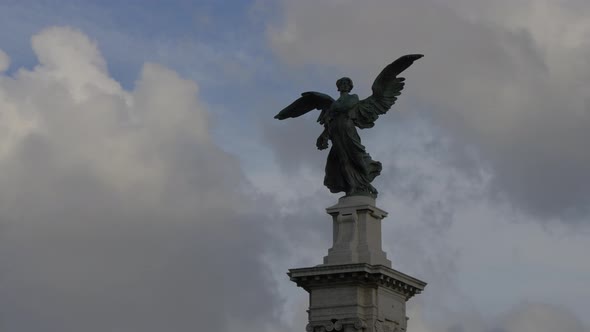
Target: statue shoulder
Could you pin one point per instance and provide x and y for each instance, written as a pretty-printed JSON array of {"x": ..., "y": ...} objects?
[{"x": 352, "y": 99}]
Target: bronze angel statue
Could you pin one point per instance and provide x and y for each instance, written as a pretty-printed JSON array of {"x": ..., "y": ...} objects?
[{"x": 350, "y": 168}]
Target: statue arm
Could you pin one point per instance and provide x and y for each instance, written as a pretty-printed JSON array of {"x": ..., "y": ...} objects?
[{"x": 322, "y": 142}]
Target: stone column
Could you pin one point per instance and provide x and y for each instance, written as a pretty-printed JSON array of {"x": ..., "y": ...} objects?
[{"x": 356, "y": 289}]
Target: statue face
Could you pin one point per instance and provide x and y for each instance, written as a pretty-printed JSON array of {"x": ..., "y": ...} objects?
[{"x": 344, "y": 84}]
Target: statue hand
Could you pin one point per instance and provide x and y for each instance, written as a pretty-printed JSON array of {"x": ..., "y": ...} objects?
[{"x": 322, "y": 143}]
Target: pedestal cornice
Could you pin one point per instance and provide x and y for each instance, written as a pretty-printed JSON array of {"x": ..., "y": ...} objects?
[{"x": 319, "y": 276}]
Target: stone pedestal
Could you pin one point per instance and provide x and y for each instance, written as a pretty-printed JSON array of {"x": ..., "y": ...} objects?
[
  {"x": 356, "y": 289},
  {"x": 356, "y": 232}
]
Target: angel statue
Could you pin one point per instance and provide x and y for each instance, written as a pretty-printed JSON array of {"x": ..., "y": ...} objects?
[{"x": 350, "y": 168}]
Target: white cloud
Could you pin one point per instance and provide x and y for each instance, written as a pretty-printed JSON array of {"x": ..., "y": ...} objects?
[
  {"x": 117, "y": 210},
  {"x": 68, "y": 56}
]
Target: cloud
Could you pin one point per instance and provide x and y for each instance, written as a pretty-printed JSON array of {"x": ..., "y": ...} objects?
[
  {"x": 117, "y": 210},
  {"x": 444, "y": 231},
  {"x": 511, "y": 86},
  {"x": 529, "y": 317},
  {"x": 444, "y": 227},
  {"x": 525, "y": 317}
]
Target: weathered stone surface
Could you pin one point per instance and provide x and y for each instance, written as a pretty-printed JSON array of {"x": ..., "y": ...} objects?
[
  {"x": 356, "y": 232},
  {"x": 356, "y": 289},
  {"x": 356, "y": 297}
]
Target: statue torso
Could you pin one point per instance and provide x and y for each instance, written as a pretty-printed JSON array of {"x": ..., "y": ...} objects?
[
  {"x": 343, "y": 104},
  {"x": 340, "y": 115}
]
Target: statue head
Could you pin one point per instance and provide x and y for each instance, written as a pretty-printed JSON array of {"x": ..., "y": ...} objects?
[{"x": 344, "y": 84}]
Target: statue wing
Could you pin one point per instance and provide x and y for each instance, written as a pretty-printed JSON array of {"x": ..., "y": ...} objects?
[
  {"x": 307, "y": 102},
  {"x": 386, "y": 88}
]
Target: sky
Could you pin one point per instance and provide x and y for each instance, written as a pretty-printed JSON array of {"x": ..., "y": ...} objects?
[{"x": 145, "y": 186}]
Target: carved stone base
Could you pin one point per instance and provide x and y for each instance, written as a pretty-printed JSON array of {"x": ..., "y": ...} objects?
[
  {"x": 356, "y": 297},
  {"x": 356, "y": 232}
]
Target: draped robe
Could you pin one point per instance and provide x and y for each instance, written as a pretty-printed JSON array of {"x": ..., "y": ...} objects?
[{"x": 349, "y": 167}]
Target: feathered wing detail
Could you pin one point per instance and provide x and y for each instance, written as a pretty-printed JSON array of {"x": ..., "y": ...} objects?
[
  {"x": 386, "y": 88},
  {"x": 307, "y": 102}
]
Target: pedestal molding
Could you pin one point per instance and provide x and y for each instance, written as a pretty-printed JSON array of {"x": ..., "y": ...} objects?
[{"x": 332, "y": 275}]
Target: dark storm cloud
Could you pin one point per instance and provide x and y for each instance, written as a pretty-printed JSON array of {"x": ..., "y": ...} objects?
[{"x": 495, "y": 82}]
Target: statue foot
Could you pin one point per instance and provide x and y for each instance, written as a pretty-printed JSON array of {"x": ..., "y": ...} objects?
[
  {"x": 373, "y": 190},
  {"x": 370, "y": 191}
]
